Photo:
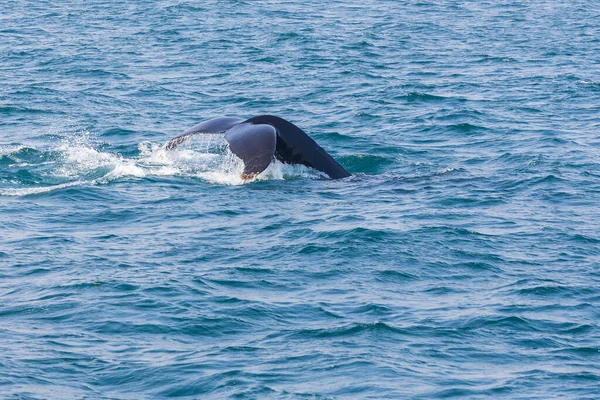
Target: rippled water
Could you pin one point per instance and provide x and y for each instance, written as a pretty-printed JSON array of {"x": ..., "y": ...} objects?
[{"x": 461, "y": 259}]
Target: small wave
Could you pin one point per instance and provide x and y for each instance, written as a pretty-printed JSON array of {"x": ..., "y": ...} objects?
[
  {"x": 376, "y": 328},
  {"x": 466, "y": 128},
  {"x": 36, "y": 190},
  {"x": 10, "y": 149},
  {"x": 445, "y": 171},
  {"x": 589, "y": 83},
  {"x": 426, "y": 97},
  {"x": 8, "y": 110}
]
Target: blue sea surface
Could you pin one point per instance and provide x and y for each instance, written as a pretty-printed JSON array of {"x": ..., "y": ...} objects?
[{"x": 461, "y": 259}]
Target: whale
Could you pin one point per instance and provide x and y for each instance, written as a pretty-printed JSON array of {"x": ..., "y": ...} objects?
[{"x": 260, "y": 140}]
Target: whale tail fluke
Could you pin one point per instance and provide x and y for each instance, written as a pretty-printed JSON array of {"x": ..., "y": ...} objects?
[{"x": 259, "y": 140}]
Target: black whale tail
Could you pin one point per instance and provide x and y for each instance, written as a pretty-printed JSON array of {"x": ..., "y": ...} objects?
[
  {"x": 258, "y": 140},
  {"x": 294, "y": 146}
]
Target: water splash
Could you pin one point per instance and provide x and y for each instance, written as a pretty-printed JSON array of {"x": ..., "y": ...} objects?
[{"x": 79, "y": 159}]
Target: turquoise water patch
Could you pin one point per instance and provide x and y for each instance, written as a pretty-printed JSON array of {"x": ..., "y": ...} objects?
[{"x": 460, "y": 259}]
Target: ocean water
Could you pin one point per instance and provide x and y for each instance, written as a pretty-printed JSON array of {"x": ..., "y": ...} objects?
[{"x": 461, "y": 259}]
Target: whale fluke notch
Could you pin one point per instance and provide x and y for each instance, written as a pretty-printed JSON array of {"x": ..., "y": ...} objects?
[{"x": 259, "y": 140}]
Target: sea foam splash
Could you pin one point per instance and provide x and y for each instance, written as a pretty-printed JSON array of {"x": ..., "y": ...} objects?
[{"x": 78, "y": 160}]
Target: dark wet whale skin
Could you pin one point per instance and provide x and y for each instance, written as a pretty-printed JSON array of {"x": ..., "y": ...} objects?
[{"x": 260, "y": 139}]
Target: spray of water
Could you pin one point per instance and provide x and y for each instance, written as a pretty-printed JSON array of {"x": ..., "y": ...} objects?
[{"x": 79, "y": 160}]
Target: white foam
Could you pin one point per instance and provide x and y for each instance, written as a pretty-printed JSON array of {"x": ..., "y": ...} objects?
[
  {"x": 164, "y": 171},
  {"x": 446, "y": 171},
  {"x": 280, "y": 171},
  {"x": 154, "y": 153},
  {"x": 121, "y": 170},
  {"x": 207, "y": 158},
  {"x": 10, "y": 149},
  {"x": 79, "y": 157},
  {"x": 227, "y": 172}
]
